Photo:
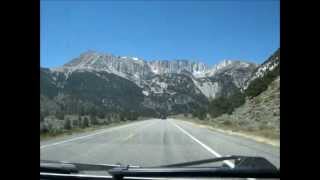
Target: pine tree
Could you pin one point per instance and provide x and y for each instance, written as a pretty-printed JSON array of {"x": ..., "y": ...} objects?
[
  {"x": 59, "y": 115},
  {"x": 67, "y": 124},
  {"x": 94, "y": 120},
  {"x": 76, "y": 123},
  {"x": 86, "y": 122}
]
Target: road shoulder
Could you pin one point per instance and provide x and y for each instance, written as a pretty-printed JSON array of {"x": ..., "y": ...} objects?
[
  {"x": 85, "y": 132},
  {"x": 275, "y": 143}
]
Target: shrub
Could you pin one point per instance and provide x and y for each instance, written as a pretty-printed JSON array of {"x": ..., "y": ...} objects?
[
  {"x": 75, "y": 123},
  {"x": 219, "y": 106},
  {"x": 59, "y": 115},
  {"x": 67, "y": 124},
  {"x": 259, "y": 85},
  {"x": 122, "y": 118},
  {"x": 227, "y": 123},
  {"x": 199, "y": 113},
  {"x": 94, "y": 120},
  {"x": 223, "y": 104},
  {"x": 45, "y": 129},
  {"x": 101, "y": 115},
  {"x": 85, "y": 122},
  {"x": 242, "y": 123}
]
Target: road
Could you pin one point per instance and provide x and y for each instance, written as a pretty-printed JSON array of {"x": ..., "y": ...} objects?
[{"x": 153, "y": 142}]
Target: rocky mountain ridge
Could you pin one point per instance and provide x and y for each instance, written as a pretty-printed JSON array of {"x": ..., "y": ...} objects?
[
  {"x": 101, "y": 81},
  {"x": 141, "y": 72}
]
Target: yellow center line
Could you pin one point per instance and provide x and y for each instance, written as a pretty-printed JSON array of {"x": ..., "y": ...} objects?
[{"x": 134, "y": 134}]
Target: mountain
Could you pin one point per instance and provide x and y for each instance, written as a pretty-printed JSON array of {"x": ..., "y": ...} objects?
[
  {"x": 224, "y": 78},
  {"x": 254, "y": 108},
  {"x": 259, "y": 115},
  {"x": 125, "y": 66},
  {"x": 107, "y": 83},
  {"x": 177, "y": 66},
  {"x": 263, "y": 75}
]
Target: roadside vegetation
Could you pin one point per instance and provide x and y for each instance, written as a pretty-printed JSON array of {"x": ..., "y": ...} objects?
[
  {"x": 225, "y": 122},
  {"x": 259, "y": 116},
  {"x": 61, "y": 124},
  {"x": 254, "y": 111}
]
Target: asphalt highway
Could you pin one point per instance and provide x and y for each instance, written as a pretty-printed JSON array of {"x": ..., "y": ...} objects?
[{"x": 153, "y": 142}]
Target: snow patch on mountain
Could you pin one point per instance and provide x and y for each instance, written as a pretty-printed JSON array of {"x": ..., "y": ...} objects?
[
  {"x": 146, "y": 93},
  {"x": 269, "y": 65},
  {"x": 139, "y": 71}
]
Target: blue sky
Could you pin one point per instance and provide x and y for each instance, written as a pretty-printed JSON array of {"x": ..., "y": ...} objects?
[{"x": 207, "y": 31}]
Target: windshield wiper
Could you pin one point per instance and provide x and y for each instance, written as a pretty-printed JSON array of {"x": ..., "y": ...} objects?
[
  {"x": 204, "y": 161},
  {"x": 244, "y": 167},
  {"x": 69, "y": 167}
]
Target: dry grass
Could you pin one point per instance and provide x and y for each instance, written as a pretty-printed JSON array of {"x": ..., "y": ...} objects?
[
  {"x": 261, "y": 133},
  {"x": 50, "y": 135}
]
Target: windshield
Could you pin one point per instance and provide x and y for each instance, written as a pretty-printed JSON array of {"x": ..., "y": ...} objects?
[{"x": 157, "y": 83}]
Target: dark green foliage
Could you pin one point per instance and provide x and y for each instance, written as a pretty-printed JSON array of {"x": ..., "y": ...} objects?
[
  {"x": 85, "y": 122},
  {"x": 100, "y": 93},
  {"x": 85, "y": 93},
  {"x": 101, "y": 114},
  {"x": 222, "y": 104},
  {"x": 132, "y": 116},
  {"x": 75, "y": 123},
  {"x": 92, "y": 112},
  {"x": 67, "y": 124},
  {"x": 237, "y": 99},
  {"x": 219, "y": 106},
  {"x": 81, "y": 111},
  {"x": 59, "y": 115},
  {"x": 47, "y": 85},
  {"x": 261, "y": 84},
  {"x": 122, "y": 117},
  {"x": 115, "y": 90},
  {"x": 199, "y": 113},
  {"x": 227, "y": 123},
  {"x": 108, "y": 117},
  {"x": 94, "y": 120},
  {"x": 227, "y": 103},
  {"x": 45, "y": 129}
]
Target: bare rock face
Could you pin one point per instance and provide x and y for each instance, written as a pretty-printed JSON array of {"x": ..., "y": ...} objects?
[
  {"x": 175, "y": 86},
  {"x": 140, "y": 71},
  {"x": 177, "y": 66}
]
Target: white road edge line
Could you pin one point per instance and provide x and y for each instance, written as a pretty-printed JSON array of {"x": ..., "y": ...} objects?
[
  {"x": 72, "y": 139},
  {"x": 230, "y": 164},
  {"x": 82, "y": 137}
]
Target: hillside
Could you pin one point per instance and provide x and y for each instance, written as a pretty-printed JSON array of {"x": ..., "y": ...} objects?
[
  {"x": 255, "y": 108},
  {"x": 118, "y": 88},
  {"x": 260, "y": 115},
  {"x": 105, "y": 83}
]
